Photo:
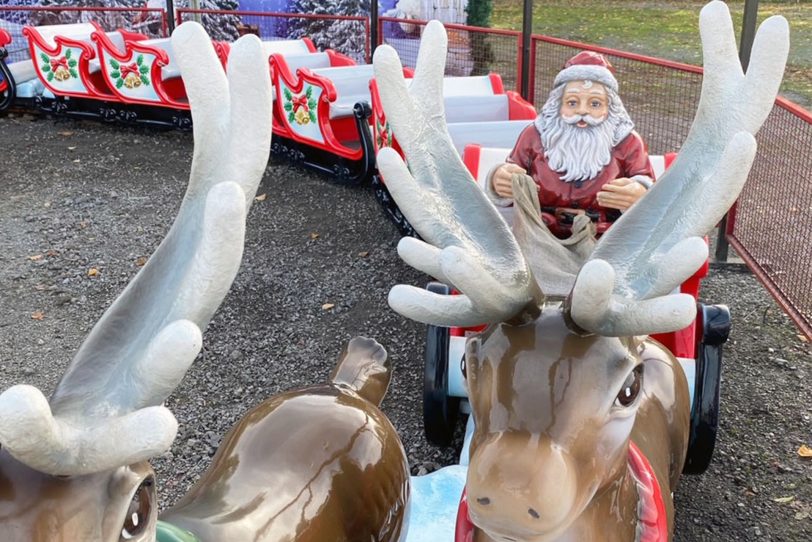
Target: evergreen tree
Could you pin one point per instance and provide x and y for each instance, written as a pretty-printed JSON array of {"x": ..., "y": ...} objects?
[
  {"x": 348, "y": 37},
  {"x": 220, "y": 27},
  {"x": 109, "y": 20},
  {"x": 479, "y": 14}
]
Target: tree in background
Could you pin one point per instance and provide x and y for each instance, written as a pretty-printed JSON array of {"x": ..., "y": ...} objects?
[
  {"x": 479, "y": 14},
  {"x": 348, "y": 37},
  {"x": 107, "y": 20},
  {"x": 220, "y": 27}
]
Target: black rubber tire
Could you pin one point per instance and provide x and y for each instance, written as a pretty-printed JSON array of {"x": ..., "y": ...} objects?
[
  {"x": 440, "y": 411},
  {"x": 705, "y": 409}
]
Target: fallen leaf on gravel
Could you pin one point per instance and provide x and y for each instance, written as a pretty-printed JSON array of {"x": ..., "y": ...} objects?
[
  {"x": 784, "y": 500},
  {"x": 803, "y": 514},
  {"x": 35, "y": 257},
  {"x": 92, "y": 272},
  {"x": 140, "y": 261},
  {"x": 37, "y": 315},
  {"x": 261, "y": 197},
  {"x": 363, "y": 254},
  {"x": 65, "y": 134},
  {"x": 803, "y": 338},
  {"x": 52, "y": 253},
  {"x": 314, "y": 235},
  {"x": 328, "y": 306},
  {"x": 805, "y": 451}
]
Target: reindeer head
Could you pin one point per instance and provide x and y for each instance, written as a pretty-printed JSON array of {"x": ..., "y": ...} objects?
[
  {"x": 74, "y": 467},
  {"x": 558, "y": 384}
]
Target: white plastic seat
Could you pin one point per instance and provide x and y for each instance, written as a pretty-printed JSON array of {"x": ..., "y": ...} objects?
[
  {"x": 351, "y": 84},
  {"x": 308, "y": 60},
  {"x": 488, "y": 134},
  {"x": 23, "y": 71},
  {"x": 478, "y": 85},
  {"x": 285, "y": 47},
  {"x": 477, "y": 108},
  {"x": 77, "y": 31}
]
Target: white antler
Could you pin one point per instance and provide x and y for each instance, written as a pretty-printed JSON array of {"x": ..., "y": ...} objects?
[
  {"x": 106, "y": 410},
  {"x": 468, "y": 244},
  {"x": 656, "y": 245}
]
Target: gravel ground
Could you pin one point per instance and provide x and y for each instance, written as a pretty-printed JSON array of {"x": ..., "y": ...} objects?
[{"x": 82, "y": 196}]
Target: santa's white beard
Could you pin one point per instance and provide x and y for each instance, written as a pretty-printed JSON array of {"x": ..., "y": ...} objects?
[{"x": 579, "y": 154}]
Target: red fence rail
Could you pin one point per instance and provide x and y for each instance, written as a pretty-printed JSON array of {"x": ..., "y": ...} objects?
[{"x": 348, "y": 34}]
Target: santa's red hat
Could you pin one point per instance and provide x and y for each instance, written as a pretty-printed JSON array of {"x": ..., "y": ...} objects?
[{"x": 587, "y": 66}]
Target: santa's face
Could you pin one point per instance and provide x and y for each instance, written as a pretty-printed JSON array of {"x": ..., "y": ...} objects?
[{"x": 584, "y": 103}]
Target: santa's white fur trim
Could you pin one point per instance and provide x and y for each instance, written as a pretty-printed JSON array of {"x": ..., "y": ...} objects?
[{"x": 583, "y": 72}]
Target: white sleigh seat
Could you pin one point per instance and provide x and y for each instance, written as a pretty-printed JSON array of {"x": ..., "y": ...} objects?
[
  {"x": 77, "y": 31},
  {"x": 23, "y": 71},
  {"x": 285, "y": 47},
  {"x": 351, "y": 84},
  {"x": 477, "y": 108},
  {"x": 307, "y": 60},
  {"x": 476, "y": 85},
  {"x": 487, "y": 134}
]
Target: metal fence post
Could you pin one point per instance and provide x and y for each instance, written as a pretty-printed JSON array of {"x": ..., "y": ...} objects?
[
  {"x": 527, "y": 31},
  {"x": 373, "y": 27},
  {"x": 170, "y": 16},
  {"x": 745, "y": 46}
]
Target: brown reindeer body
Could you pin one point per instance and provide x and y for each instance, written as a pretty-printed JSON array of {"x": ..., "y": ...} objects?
[
  {"x": 547, "y": 456},
  {"x": 317, "y": 464},
  {"x": 321, "y": 463}
]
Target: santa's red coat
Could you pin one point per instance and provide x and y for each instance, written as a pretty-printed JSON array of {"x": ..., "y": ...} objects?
[{"x": 629, "y": 158}]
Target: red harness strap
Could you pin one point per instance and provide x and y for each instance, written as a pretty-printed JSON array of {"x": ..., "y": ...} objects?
[{"x": 653, "y": 520}]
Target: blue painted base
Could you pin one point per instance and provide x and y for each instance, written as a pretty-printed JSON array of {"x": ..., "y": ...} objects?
[{"x": 434, "y": 503}]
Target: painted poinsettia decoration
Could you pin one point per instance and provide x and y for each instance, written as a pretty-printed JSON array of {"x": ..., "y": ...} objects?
[
  {"x": 301, "y": 107},
  {"x": 131, "y": 75},
  {"x": 383, "y": 133},
  {"x": 60, "y": 68}
]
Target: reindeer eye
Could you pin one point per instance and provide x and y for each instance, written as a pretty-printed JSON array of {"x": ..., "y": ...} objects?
[
  {"x": 631, "y": 388},
  {"x": 137, "y": 518}
]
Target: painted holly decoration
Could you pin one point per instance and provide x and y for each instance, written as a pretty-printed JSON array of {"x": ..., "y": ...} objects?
[
  {"x": 384, "y": 133},
  {"x": 60, "y": 68},
  {"x": 301, "y": 108},
  {"x": 131, "y": 75}
]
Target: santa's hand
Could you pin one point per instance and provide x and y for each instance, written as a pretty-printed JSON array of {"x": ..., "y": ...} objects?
[
  {"x": 501, "y": 180},
  {"x": 620, "y": 194}
]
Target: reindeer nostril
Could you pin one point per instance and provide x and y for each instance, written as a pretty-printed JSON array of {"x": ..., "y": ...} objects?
[
  {"x": 533, "y": 513},
  {"x": 484, "y": 501}
]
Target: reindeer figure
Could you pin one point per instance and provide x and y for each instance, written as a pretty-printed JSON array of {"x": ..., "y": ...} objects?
[
  {"x": 74, "y": 468},
  {"x": 581, "y": 421}
]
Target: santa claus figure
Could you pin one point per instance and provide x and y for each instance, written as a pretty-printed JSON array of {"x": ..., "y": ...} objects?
[{"x": 582, "y": 150}]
